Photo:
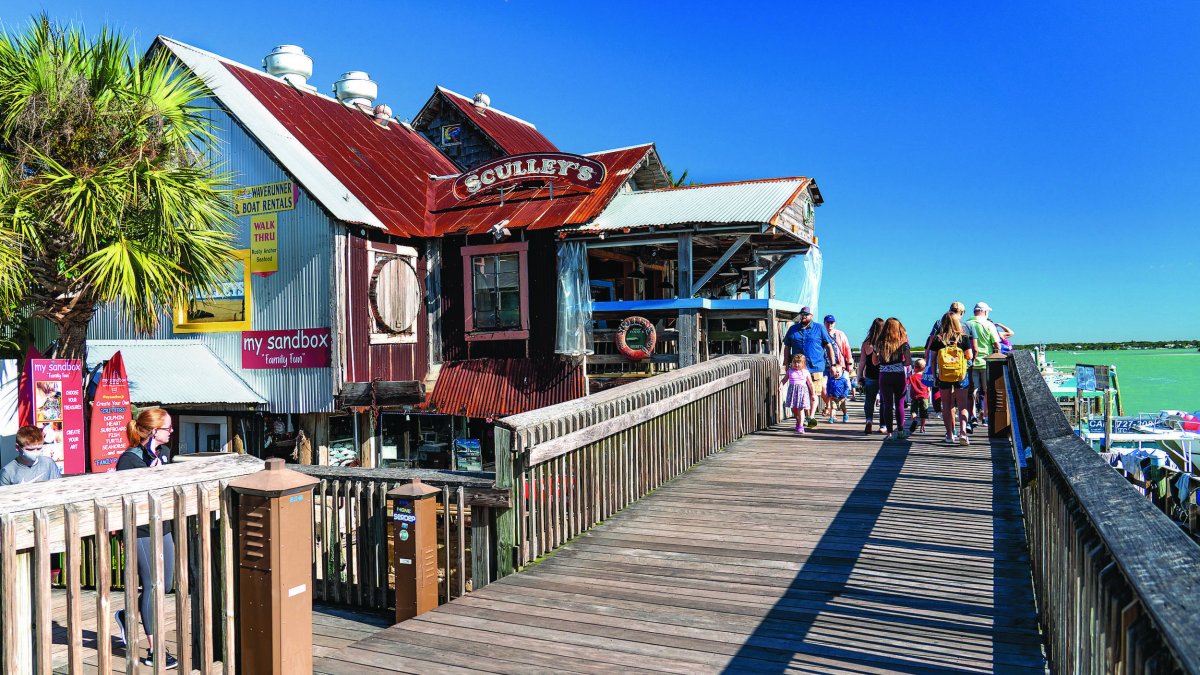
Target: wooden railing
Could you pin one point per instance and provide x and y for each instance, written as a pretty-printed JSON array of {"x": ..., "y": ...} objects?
[
  {"x": 352, "y": 562},
  {"x": 1117, "y": 581},
  {"x": 572, "y": 465},
  {"x": 40, "y": 519}
]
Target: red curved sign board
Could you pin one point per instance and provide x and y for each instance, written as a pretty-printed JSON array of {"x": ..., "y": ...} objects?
[{"x": 553, "y": 167}]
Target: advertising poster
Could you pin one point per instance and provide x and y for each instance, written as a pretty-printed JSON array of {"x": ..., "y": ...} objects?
[
  {"x": 57, "y": 396},
  {"x": 253, "y": 200},
  {"x": 264, "y": 247},
  {"x": 296, "y": 348},
  {"x": 111, "y": 414},
  {"x": 468, "y": 456}
]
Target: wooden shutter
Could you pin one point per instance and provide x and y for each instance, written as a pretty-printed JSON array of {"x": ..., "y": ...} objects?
[{"x": 395, "y": 295}]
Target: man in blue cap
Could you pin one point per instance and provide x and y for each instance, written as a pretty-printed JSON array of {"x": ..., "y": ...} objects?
[{"x": 813, "y": 341}]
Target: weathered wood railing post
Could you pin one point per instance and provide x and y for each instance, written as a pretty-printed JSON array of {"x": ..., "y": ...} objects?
[{"x": 1115, "y": 578}]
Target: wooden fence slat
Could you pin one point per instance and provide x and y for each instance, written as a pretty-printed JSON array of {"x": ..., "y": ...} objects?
[
  {"x": 103, "y": 550},
  {"x": 74, "y": 601},
  {"x": 132, "y": 627},
  {"x": 42, "y": 580},
  {"x": 8, "y": 593},
  {"x": 205, "y": 560},
  {"x": 228, "y": 574},
  {"x": 183, "y": 601},
  {"x": 157, "y": 585},
  {"x": 462, "y": 537}
]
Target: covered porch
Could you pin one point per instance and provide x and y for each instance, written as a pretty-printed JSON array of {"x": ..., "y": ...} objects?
[{"x": 700, "y": 263}]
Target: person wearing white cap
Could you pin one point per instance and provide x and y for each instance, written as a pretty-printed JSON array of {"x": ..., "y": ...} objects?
[{"x": 988, "y": 341}]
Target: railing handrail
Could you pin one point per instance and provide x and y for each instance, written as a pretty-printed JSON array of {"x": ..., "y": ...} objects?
[
  {"x": 108, "y": 489},
  {"x": 637, "y": 393},
  {"x": 479, "y": 487},
  {"x": 1156, "y": 558}
]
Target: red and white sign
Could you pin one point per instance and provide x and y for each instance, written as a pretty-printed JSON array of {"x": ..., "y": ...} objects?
[
  {"x": 555, "y": 167},
  {"x": 107, "y": 437},
  {"x": 56, "y": 390},
  {"x": 298, "y": 348}
]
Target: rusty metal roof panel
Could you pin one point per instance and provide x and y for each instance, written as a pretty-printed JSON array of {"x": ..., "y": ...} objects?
[
  {"x": 513, "y": 134},
  {"x": 539, "y": 208},
  {"x": 387, "y": 167},
  {"x": 488, "y": 388}
]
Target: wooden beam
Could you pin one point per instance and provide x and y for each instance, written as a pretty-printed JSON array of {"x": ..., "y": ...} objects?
[
  {"x": 716, "y": 267},
  {"x": 772, "y": 271},
  {"x": 387, "y": 392},
  {"x": 689, "y": 343}
]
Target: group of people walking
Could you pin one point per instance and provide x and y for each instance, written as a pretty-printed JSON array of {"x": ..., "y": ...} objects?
[{"x": 950, "y": 378}]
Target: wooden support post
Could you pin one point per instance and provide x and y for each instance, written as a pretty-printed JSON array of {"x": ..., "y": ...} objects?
[
  {"x": 506, "y": 519},
  {"x": 689, "y": 343}
]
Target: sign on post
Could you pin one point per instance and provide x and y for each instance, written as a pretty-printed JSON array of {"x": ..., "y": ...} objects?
[
  {"x": 57, "y": 395},
  {"x": 264, "y": 244},
  {"x": 111, "y": 414}
]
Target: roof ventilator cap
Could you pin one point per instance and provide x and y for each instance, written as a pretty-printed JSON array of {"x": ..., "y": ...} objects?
[
  {"x": 291, "y": 64},
  {"x": 383, "y": 114},
  {"x": 482, "y": 100},
  {"x": 356, "y": 88}
]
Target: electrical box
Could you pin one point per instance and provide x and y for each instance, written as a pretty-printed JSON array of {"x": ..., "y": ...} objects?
[
  {"x": 274, "y": 557},
  {"x": 414, "y": 541}
]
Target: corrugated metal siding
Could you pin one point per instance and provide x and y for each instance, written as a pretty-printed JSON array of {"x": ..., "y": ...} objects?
[
  {"x": 297, "y": 296},
  {"x": 500, "y": 387},
  {"x": 365, "y": 361},
  {"x": 741, "y": 202}
]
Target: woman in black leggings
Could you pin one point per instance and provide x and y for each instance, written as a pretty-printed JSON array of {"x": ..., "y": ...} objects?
[
  {"x": 893, "y": 356},
  {"x": 868, "y": 372},
  {"x": 148, "y": 438}
]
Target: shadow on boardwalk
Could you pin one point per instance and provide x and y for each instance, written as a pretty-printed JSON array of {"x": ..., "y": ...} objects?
[{"x": 835, "y": 552}]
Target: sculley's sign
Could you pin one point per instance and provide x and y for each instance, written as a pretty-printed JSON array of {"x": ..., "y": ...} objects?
[{"x": 556, "y": 167}]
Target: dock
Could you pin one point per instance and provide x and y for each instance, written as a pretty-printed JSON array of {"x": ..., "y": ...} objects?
[{"x": 827, "y": 552}]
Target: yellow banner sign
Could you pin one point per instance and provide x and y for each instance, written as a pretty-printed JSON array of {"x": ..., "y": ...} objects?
[
  {"x": 264, "y": 246},
  {"x": 269, "y": 198}
]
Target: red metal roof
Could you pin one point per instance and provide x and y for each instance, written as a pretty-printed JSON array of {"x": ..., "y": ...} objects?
[
  {"x": 386, "y": 168},
  {"x": 513, "y": 134},
  {"x": 535, "y": 209},
  {"x": 500, "y": 387}
]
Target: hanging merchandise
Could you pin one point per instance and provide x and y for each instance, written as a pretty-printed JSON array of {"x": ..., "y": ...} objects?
[{"x": 573, "y": 336}]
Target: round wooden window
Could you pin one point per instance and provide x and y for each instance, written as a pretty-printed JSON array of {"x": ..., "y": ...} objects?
[{"x": 395, "y": 295}]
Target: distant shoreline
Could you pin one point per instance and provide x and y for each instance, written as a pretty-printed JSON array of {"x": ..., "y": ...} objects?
[{"x": 1113, "y": 346}]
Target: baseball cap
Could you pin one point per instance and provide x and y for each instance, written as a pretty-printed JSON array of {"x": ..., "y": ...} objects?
[
  {"x": 805, "y": 310},
  {"x": 982, "y": 307},
  {"x": 829, "y": 319}
]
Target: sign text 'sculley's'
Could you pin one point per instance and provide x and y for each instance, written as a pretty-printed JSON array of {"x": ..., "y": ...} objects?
[{"x": 558, "y": 167}]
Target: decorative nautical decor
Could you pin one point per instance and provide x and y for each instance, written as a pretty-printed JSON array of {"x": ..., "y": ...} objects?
[
  {"x": 554, "y": 167},
  {"x": 635, "y": 338}
]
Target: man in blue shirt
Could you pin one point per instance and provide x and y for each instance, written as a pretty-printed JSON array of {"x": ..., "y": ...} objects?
[{"x": 813, "y": 341}]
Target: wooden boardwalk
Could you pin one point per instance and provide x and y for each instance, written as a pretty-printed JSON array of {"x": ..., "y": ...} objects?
[{"x": 834, "y": 552}]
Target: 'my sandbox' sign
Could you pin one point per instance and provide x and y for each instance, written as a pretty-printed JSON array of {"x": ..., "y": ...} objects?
[{"x": 298, "y": 348}]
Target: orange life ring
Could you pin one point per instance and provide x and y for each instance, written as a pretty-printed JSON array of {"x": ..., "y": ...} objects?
[{"x": 643, "y": 338}]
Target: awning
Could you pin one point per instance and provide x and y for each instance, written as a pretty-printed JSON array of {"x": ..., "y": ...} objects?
[
  {"x": 498, "y": 387},
  {"x": 175, "y": 372}
]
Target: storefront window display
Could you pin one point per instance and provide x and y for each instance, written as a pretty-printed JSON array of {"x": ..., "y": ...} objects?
[{"x": 343, "y": 441}]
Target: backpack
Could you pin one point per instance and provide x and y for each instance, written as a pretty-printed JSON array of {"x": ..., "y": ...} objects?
[{"x": 952, "y": 366}]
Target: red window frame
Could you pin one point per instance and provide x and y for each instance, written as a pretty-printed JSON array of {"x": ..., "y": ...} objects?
[{"x": 468, "y": 252}]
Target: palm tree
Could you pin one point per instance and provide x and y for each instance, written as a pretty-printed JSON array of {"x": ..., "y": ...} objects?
[{"x": 107, "y": 192}]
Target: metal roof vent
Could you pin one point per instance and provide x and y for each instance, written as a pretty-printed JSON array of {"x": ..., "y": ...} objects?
[
  {"x": 290, "y": 63},
  {"x": 482, "y": 100},
  {"x": 356, "y": 88},
  {"x": 383, "y": 114}
]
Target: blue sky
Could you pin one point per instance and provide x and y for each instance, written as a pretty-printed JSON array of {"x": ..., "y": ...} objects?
[{"x": 1041, "y": 156}]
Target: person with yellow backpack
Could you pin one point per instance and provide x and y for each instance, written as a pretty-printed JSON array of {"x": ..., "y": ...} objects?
[{"x": 951, "y": 347}]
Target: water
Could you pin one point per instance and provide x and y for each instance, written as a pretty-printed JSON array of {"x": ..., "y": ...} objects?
[{"x": 1151, "y": 379}]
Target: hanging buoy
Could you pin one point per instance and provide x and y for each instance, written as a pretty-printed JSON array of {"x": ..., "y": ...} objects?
[{"x": 635, "y": 338}]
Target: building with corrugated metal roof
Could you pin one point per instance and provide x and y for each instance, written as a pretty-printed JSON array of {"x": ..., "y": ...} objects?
[{"x": 400, "y": 285}]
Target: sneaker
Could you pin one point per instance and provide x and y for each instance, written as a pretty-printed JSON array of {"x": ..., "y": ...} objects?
[
  {"x": 169, "y": 662},
  {"x": 831, "y": 419},
  {"x": 867, "y": 430},
  {"x": 963, "y": 440},
  {"x": 948, "y": 440},
  {"x": 120, "y": 616},
  {"x": 845, "y": 419}
]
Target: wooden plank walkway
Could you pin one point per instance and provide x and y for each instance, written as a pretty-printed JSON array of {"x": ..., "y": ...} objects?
[
  {"x": 333, "y": 629},
  {"x": 834, "y": 552}
]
